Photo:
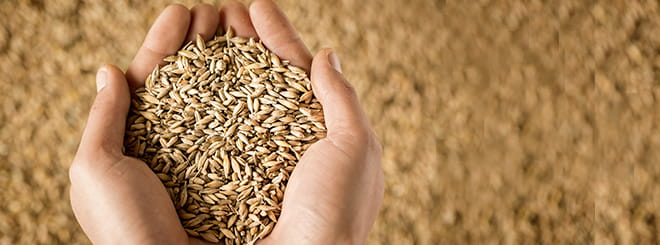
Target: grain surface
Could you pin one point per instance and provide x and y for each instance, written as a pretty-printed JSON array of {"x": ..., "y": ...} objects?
[
  {"x": 223, "y": 124},
  {"x": 525, "y": 121}
]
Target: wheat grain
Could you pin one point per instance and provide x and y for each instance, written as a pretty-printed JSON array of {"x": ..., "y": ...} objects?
[{"x": 222, "y": 124}]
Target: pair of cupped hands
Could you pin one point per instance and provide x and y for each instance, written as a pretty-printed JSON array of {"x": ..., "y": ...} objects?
[{"x": 333, "y": 195}]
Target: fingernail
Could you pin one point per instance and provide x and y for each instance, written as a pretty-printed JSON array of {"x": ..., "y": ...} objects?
[
  {"x": 334, "y": 60},
  {"x": 101, "y": 78}
]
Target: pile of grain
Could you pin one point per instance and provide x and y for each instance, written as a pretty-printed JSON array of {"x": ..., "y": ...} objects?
[
  {"x": 223, "y": 125},
  {"x": 503, "y": 122}
]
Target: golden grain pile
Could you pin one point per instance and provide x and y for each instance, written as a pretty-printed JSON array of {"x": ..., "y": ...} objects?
[
  {"x": 502, "y": 121},
  {"x": 223, "y": 125}
]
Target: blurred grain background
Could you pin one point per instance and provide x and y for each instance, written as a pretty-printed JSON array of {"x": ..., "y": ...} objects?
[{"x": 509, "y": 122}]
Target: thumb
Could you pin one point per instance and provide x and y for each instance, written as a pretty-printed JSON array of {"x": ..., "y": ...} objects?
[
  {"x": 344, "y": 118},
  {"x": 107, "y": 118}
]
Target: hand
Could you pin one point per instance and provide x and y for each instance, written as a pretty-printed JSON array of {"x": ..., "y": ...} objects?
[{"x": 334, "y": 192}]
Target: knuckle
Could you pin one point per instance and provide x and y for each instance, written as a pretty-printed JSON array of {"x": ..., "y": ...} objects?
[
  {"x": 361, "y": 139},
  {"x": 376, "y": 146},
  {"x": 98, "y": 106},
  {"x": 348, "y": 86},
  {"x": 109, "y": 150},
  {"x": 85, "y": 162}
]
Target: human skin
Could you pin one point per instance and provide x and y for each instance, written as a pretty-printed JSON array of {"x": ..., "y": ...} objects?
[{"x": 333, "y": 195}]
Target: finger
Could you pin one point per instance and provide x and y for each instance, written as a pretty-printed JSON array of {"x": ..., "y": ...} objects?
[
  {"x": 164, "y": 38},
  {"x": 278, "y": 34},
  {"x": 107, "y": 118},
  {"x": 204, "y": 21},
  {"x": 235, "y": 14},
  {"x": 341, "y": 107}
]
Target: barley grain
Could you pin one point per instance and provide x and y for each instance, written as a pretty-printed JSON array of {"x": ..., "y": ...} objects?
[{"x": 222, "y": 125}]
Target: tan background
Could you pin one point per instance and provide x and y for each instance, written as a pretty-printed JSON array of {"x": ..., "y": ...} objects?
[{"x": 502, "y": 121}]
